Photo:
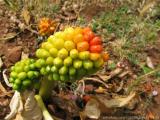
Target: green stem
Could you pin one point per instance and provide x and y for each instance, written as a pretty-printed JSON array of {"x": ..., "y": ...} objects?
[
  {"x": 45, "y": 112},
  {"x": 46, "y": 88}
]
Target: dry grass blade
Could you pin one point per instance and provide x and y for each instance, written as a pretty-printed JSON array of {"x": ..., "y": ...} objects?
[
  {"x": 26, "y": 16},
  {"x": 149, "y": 5}
]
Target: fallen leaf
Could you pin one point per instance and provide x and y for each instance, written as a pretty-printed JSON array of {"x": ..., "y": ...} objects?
[
  {"x": 14, "y": 104},
  {"x": 26, "y": 16},
  {"x": 24, "y": 107},
  {"x": 150, "y": 116},
  {"x": 120, "y": 87},
  {"x": 115, "y": 102},
  {"x": 92, "y": 109},
  {"x": 2, "y": 88},
  {"x": 13, "y": 55},
  {"x": 115, "y": 72},
  {"x": 5, "y": 78},
  {"x": 24, "y": 55},
  {"x": 8, "y": 36},
  {"x": 149, "y": 63}
]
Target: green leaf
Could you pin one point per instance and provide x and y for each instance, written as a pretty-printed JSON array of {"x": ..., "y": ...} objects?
[{"x": 146, "y": 69}]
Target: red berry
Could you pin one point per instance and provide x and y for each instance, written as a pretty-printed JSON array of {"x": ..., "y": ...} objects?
[
  {"x": 96, "y": 49},
  {"x": 96, "y": 41},
  {"x": 86, "y": 29}
]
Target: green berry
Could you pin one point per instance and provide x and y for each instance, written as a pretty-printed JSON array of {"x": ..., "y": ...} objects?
[
  {"x": 56, "y": 76},
  {"x": 13, "y": 74},
  {"x": 30, "y": 74},
  {"x": 22, "y": 75},
  {"x": 48, "y": 69},
  {"x": 26, "y": 83},
  {"x": 18, "y": 81},
  {"x": 63, "y": 70},
  {"x": 72, "y": 71},
  {"x": 54, "y": 69},
  {"x": 43, "y": 71},
  {"x": 15, "y": 87}
]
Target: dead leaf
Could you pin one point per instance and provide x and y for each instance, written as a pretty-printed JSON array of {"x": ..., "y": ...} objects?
[
  {"x": 26, "y": 16},
  {"x": 115, "y": 102},
  {"x": 115, "y": 72},
  {"x": 5, "y": 78},
  {"x": 24, "y": 107},
  {"x": 2, "y": 88},
  {"x": 150, "y": 116},
  {"x": 92, "y": 109},
  {"x": 8, "y": 36},
  {"x": 149, "y": 63},
  {"x": 120, "y": 87},
  {"x": 24, "y": 55},
  {"x": 1, "y": 63},
  {"x": 14, "y": 104}
]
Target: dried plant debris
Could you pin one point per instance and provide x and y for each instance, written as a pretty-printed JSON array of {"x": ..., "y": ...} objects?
[{"x": 24, "y": 107}]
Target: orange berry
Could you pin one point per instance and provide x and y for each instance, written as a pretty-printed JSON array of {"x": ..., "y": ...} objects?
[
  {"x": 78, "y": 30},
  {"x": 94, "y": 56},
  {"x": 82, "y": 46},
  {"x": 78, "y": 38},
  {"x": 86, "y": 29},
  {"x": 105, "y": 56}
]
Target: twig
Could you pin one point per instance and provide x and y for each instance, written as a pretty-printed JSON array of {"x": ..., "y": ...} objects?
[{"x": 96, "y": 80}]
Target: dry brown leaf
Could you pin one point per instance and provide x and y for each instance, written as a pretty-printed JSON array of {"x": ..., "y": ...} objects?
[
  {"x": 8, "y": 36},
  {"x": 24, "y": 107},
  {"x": 24, "y": 55},
  {"x": 150, "y": 116},
  {"x": 26, "y": 16},
  {"x": 6, "y": 78},
  {"x": 2, "y": 88},
  {"x": 92, "y": 109},
  {"x": 115, "y": 102},
  {"x": 115, "y": 72}
]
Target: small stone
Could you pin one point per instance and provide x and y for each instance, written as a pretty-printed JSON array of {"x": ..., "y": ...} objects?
[{"x": 154, "y": 93}]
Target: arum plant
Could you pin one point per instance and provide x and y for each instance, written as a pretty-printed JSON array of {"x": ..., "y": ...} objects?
[{"x": 65, "y": 56}]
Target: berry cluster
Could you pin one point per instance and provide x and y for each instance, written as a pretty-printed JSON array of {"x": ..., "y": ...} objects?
[
  {"x": 70, "y": 54},
  {"x": 23, "y": 74}
]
